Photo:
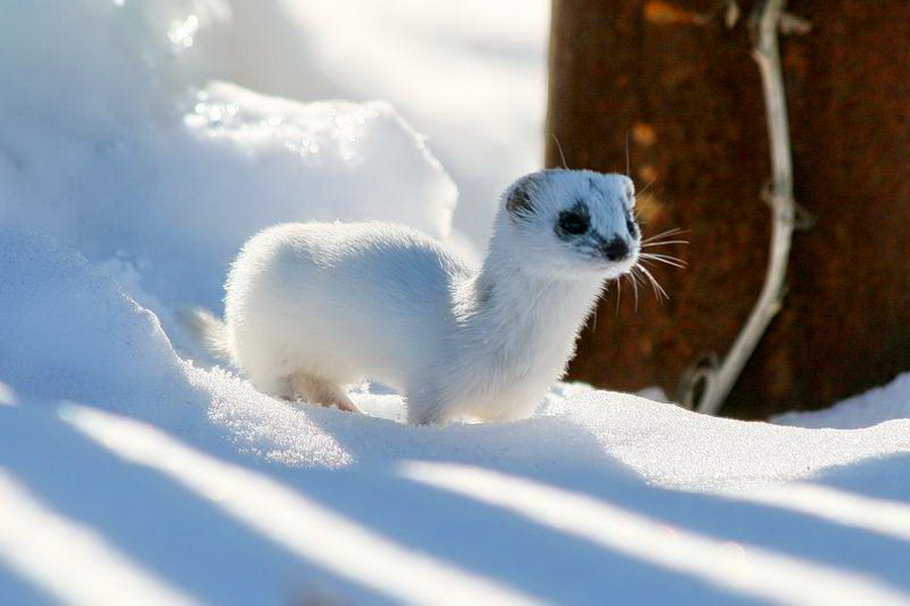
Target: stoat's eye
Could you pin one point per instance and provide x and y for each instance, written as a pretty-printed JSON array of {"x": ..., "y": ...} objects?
[
  {"x": 573, "y": 223},
  {"x": 630, "y": 225}
]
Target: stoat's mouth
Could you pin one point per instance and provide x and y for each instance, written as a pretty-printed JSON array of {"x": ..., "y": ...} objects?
[
  {"x": 615, "y": 268},
  {"x": 637, "y": 268},
  {"x": 639, "y": 273}
]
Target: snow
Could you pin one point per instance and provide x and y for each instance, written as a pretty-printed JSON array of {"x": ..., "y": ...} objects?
[
  {"x": 469, "y": 74},
  {"x": 131, "y": 169},
  {"x": 173, "y": 171},
  {"x": 875, "y": 406},
  {"x": 63, "y": 546}
]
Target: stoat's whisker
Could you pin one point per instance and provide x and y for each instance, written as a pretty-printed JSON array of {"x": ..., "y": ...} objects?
[
  {"x": 655, "y": 285},
  {"x": 663, "y": 243},
  {"x": 636, "y": 273},
  {"x": 665, "y": 234},
  {"x": 662, "y": 238},
  {"x": 633, "y": 277},
  {"x": 628, "y": 159},
  {"x": 618, "y": 294},
  {"x": 648, "y": 263},
  {"x": 645, "y": 188},
  {"x": 562, "y": 156},
  {"x": 666, "y": 259}
]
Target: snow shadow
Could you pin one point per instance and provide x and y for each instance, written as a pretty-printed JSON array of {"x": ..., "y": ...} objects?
[
  {"x": 274, "y": 537},
  {"x": 472, "y": 537},
  {"x": 156, "y": 523},
  {"x": 585, "y": 467},
  {"x": 735, "y": 519},
  {"x": 16, "y": 590},
  {"x": 882, "y": 478},
  {"x": 540, "y": 561},
  {"x": 562, "y": 453},
  {"x": 526, "y": 443}
]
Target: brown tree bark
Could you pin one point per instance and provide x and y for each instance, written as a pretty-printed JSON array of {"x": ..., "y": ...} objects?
[{"x": 685, "y": 89}]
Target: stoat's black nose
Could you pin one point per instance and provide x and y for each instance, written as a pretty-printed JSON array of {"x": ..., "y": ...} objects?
[{"x": 616, "y": 249}]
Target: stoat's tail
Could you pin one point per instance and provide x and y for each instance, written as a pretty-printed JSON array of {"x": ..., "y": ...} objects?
[{"x": 208, "y": 330}]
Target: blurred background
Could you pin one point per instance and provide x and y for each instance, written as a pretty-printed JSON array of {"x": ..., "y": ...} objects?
[{"x": 678, "y": 78}]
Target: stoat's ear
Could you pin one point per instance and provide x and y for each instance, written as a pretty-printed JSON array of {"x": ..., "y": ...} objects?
[
  {"x": 519, "y": 201},
  {"x": 629, "y": 192}
]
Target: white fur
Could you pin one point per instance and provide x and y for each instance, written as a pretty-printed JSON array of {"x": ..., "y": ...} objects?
[{"x": 315, "y": 306}]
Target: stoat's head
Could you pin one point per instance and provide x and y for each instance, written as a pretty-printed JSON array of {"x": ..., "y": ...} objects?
[{"x": 568, "y": 223}]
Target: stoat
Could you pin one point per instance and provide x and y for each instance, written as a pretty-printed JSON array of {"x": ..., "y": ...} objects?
[{"x": 312, "y": 307}]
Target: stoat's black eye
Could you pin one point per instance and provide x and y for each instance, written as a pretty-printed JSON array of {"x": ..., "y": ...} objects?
[
  {"x": 573, "y": 223},
  {"x": 630, "y": 225}
]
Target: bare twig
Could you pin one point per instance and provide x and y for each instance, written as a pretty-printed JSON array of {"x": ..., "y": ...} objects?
[{"x": 764, "y": 25}]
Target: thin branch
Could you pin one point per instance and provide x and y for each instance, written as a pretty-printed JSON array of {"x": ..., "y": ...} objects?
[{"x": 764, "y": 25}]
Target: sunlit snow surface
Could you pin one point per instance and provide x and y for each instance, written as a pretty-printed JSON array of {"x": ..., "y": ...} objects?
[{"x": 130, "y": 172}]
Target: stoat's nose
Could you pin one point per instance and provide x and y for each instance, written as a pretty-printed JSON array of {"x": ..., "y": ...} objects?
[{"x": 616, "y": 249}]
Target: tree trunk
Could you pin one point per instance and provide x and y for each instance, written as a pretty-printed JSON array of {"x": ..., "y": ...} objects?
[{"x": 684, "y": 89}]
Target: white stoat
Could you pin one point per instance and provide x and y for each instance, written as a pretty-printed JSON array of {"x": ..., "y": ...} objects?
[{"x": 311, "y": 307}]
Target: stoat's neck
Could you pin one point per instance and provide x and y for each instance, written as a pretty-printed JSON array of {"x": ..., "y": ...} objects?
[{"x": 519, "y": 318}]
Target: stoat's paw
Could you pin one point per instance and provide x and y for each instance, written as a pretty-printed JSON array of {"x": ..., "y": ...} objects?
[{"x": 427, "y": 415}]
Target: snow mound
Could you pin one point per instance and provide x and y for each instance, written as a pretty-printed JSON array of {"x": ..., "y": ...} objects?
[
  {"x": 875, "y": 406},
  {"x": 112, "y": 65},
  {"x": 117, "y": 141},
  {"x": 69, "y": 331},
  {"x": 470, "y": 74}
]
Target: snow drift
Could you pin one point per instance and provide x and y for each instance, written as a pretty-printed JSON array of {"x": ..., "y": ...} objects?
[{"x": 115, "y": 141}]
